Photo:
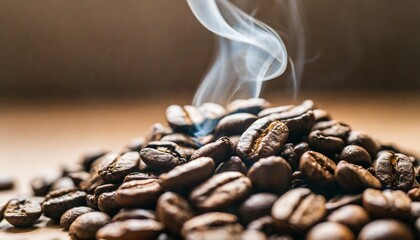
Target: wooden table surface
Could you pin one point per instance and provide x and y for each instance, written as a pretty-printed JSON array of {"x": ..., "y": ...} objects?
[{"x": 36, "y": 138}]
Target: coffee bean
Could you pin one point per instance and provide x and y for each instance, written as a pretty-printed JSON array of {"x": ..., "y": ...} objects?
[
  {"x": 220, "y": 150},
  {"x": 415, "y": 210},
  {"x": 212, "y": 113},
  {"x": 328, "y": 145},
  {"x": 297, "y": 180},
  {"x": 356, "y": 155},
  {"x": 253, "y": 235},
  {"x": 414, "y": 194},
  {"x": 361, "y": 139},
  {"x": 387, "y": 203},
  {"x": 68, "y": 168},
  {"x": 103, "y": 189},
  {"x": 220, "y": 191},
  {"x": 78, "y": 177},
  {"x": 354, "y": 178},
  {"x": 88, "y": 158},
  {"x": 63, "y": 182},
  {"x": 140, "y": 176},
  {"x": 116, "y": 169},
  {"x": 318, "y": 169},
  {"x": 263, "y": 138},
  {"x": 95, "y": 179},
  {"x": 289, "y": 154},
  {"x": 330, "y": 230},
  {"x": 252, "y": 105},
  {"x": 173, "y": 210},
  {"x": 184, "y": 119},
  {"x": 214, "y": 225},
  {"x": 234, "y": 164},
  {"x": 340, "y": 201},
  {"x": 107, "y": 203},
  {"x": 188, "y": 175},
  {"x": 135, "y": 145},
  {"x": 138, "y": 193},
  {"x": 70, "y": 215},
  {"x": 274, "y": 110},
  {"x": 156, "y": 132},
  {"x": 126, "y": 214},
  {"x": 353, "y": 216},
  {"x": 290, "y": 111},
  {"x": 3, "y": 205},
  {"x": 333, "y": 129},
  {"x": 91, "y": 202},
  {"x": 22, "y": 212},
  {"x": 41, "y": 185},
  {"x": 272, "y": 174},
  {"x": 394, "y": 171},
  {"x": 321, "y": 115},
  {"x": 298, "y": 210},
  {"x": 59, "y": 201},
  {"x": 234, "y": 124},
  {"x": 182, "y": 140},
  {"x": 163, "y": 155},
  {"x": 85, "y": 226},
  {"x": 256, "y": 206},
  {"x": 264, "y": 224},
  {"x": 133, "y": 229},
  {"x": 386, "y": 229}
]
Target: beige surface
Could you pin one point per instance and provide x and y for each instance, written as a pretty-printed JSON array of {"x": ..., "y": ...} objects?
[{"x": 37, "y": 138}]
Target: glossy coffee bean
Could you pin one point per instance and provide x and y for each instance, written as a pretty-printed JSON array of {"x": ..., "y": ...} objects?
[
  {"x": 262, "y": 139},
  {"x": 78, "y": 177},
  {"x": 156, "y": 132},
  {"x": 354, "y": 178},
  {"x": 252, "y": 105},
  {"x": 290, "y": 155},
  {"x": 330, "y": 230},
  {"x": 321, "y": 115},
  {"x": 352, "y": 216},
  {"x": 356, "y": 155},
  {"x": 182, "y": 140},
  {"x": 234, "y": 164},
  {"x": 89, "y": 157},
  {"x": 70, "y": 215},
  {"x": 220, "y": 191},
  {"x": 253, "y": 235},
  {"x": 289, "y": 111},
  {"x": 173, "y": 211},
  {"x": 42, "y": 185},
  {"x": 107, "y": 203},
  {"x": 394, "y": 170},
  {"x": 274, "y": 110},
  {"x": 272, "y": 174},
  {"x": 256, "y": 206},
  {"x": 3, "y": 205},
  {"x": 386, "y": 229},
  {"x": 263, "y": 224},
  {"x": 414, "y": 194},
  {"x": 365, "y": 141},
  {"x": 116, "y": 169},
  {"x": 104, "y": 188},
  {"x": 138, "y": 193},
  {"x": 91, "y": 202},
  {"x": 220, "y": 150},
  {"x": 126, "y": 214},
  {"x": 133, "y": 229},
  {"x": 63, "y": 182},
  {"x": 94, "y": 179},
  {"x": 333, "y": 128},
  {"x": 387, "y": 203},
  {"x": 188, "y": 175},
  {"x": 342, "y": 200},
  {"x": 163, "y": 155},
  {"x": 318, "y": 170},
  {"x": 58, "y": 202},
  {"x": 186, "y": 119},
  {"x": 85, "y": 226},
  {"x": 22, "y": 212},
  {"x": 135, "y": 145},
  {"x": 141, "y": 176},
  {"x": 325, "y": 144},
  {"x": 298, "y": 210},
  {"x": 234, "y": 124},
  {"x": 214, "y": 225}
]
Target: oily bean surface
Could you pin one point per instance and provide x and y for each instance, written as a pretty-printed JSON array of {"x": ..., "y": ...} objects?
[
  {"x": 387, "y": 203},
  {"x": 256, "y": 206},
  {"x": 342, "y": 200},
  {"x": 132, "y": 229},
  {"x": 385, "y": 229},
  {"x": 325, "y": 144},
  {"x": 365, "y": 141},
  {"x": 354, "y": 178},
  {"x": 333, "y": 128},
  {"x": 356, "y": 155},
  {"x": 162, "y": 155},
  {"x": 353, "y": 216},
  {"x": 220, "y": 150},
  {"x": 70, "y": 215},
  {"x": 56, "y": 203},
  {"x": 115, "y": 170},
  {"x": 330, "y": 230},
  {"x": 252, "y": 106},
  {"x": 318, "y": 169},
  {"x": 234, "y": 164},
  {"x": 85, "y": 226},
  {"x": 22, "y": 212},
  {"x": 126, "y": 214},
  {"x": 185, "y": 119},
  {"x": 138, "y": 193},
  {"x": 234, "y": 124}
]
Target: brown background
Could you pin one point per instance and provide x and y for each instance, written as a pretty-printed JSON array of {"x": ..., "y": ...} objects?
[{"x": 97, "y": 48}]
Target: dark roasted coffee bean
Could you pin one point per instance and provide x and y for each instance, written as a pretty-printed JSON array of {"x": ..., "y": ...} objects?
[
  {"x": 126, "y": 214},
  {"x": 186, "y": 119},
  {"x": 220, "y": 150},
  {"x": 290, "y": 111},
  {"x": 262, "y": 139},
  {"x": 297, "y": 180},
  {"x": 70, "y": 215},
  {"x": 274, "y": 110},
  {"x": 325, "y": 144},
  {"x": 107, "y": 203},
  {"x": 22, "y": 212},
  {"x": 85, "y": 226},
  {"x": 235, "y": 140},
  {"x": 140, "y": 176},
  {"x": 182, "y": 140},
  {"x": 361, "y": 139},
  {"x": 353, "y": 216},
  {"x": 135, "y": 145},
  {"x": 91, "y": 202},
  {"x": 340, "y": 201},
  {"x": 234, "y": 164},
  {"x": 301, "y": 148},
  {"x": 387, "y": 203},
  {"x": 88, "y": 158},
  {"x": 214, "y": 225},
  {"x": 289, "y": 154},
  {"x": 394, "y": 170},
  {"x": 63, "y": 182},
  {"x": 138, "y": 193},
  {"x": 330, "y": 230},
  {"x": 252, "y": 105},
  {"x": 188, "y": 175},
  {"x": 220, "y": 191},
  {"x": 272, "y": 174},
  {"x": 333, "y": 129},
  {"x": 386, "y": 229},
  {"x": 94, "y": 179},
  {"x": 298, "y": 210},
  {"x": 133, "y": 229},
  {"x": 414, "y": 194},
  {"x": 41, "y": 185},
  {"x": 356, "y": 155},
  {"x": 321, "y": 115},
  {"x": 116, "y": 169},
  {"x": 3, "y": 205},
  {"x": 59, "y": 201},
  {"x": 256, "y": 206},
  {"x": 253, "y": 235},
  {"x": 173, "y": 210},
  {"x": 78, "y": 177},
  {"x": 234, "y": 124},
  {"x": 156, "y": 132},
  {"x": 163, "y": 155},
  {"x": 354, "y": 178},
  {"x": 318, "y": 170},
  {"x": 264, "y": 224},
  {"x": 104, "y": 188}
]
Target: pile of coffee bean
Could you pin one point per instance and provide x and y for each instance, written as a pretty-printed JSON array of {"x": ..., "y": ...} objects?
[{"x": 247, "y": 171}]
